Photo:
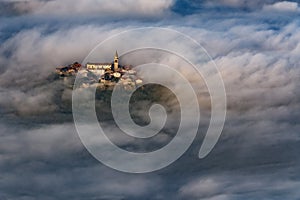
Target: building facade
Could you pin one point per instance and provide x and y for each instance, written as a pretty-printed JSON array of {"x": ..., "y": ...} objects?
[{"x": 100, "y": 68}]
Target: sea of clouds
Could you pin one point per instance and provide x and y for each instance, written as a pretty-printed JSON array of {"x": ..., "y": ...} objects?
[{"x": 256, "y": 46}]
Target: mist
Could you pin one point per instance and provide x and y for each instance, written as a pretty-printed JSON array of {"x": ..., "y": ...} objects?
[{"x": 255, "y": 46}]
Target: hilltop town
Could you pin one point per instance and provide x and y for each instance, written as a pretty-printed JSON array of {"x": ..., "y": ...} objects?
[{"x": 102, "y": 75}]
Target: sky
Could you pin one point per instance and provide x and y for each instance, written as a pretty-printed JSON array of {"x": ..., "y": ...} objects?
[{"x": 256, "y": 47}]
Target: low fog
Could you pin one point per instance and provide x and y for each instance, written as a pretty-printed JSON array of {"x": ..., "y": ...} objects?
[{"x": 256, "y": 46}]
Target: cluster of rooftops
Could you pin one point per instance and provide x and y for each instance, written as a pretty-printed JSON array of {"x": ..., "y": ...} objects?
[{"x": 102, "y": 74}]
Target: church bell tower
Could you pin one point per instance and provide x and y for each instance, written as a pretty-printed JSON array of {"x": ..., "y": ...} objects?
[{"x": 116, "y": 61}]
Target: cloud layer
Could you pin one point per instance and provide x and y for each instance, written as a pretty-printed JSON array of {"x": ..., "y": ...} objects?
[
  {"x": 106, "y": 8},
  {"x": 256, "y": 48}
]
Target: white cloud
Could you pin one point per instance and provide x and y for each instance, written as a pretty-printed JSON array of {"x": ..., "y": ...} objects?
[
  {"x": 96, "y": 7},
  {"x": 205, "y": 187},
  {"x": 230, "y": 186},
  {"x": 284, "y": 6},
  {"x": 37, "y": 151}
]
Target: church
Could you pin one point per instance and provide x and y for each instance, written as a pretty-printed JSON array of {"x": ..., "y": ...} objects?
[
  {"x": 105, "y": 75},
  {"x": 100, "y": 68}
]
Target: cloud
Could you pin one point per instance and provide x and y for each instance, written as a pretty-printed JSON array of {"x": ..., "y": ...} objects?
[
  {"x": 284, "y": 6},
  {"x": 38, "y": 151},
  {"x": 257, "y": 55},
  {"x": 28, "y": 86},
  {"x": 231, "y": 186},
  {"x": 104, "y": 8}
]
